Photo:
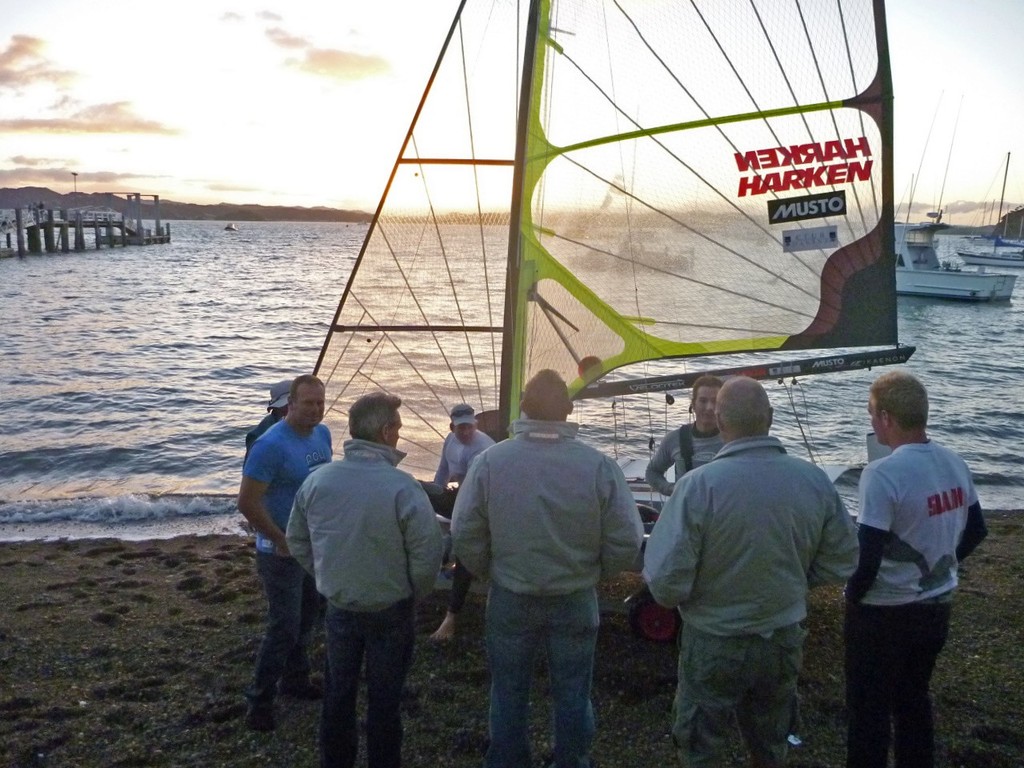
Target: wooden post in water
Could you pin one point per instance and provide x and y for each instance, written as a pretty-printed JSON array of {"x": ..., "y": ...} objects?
[
  {"x": 65, "y": 246},
  {"x": 110, "y": 233},
  {"x": 48, "y": 232},
  {"x": 96, "y": 232},
  {"x": 19, "y": 226},
  {"x": 79, "y": 232},
  {"x": 156, "y": 215}
]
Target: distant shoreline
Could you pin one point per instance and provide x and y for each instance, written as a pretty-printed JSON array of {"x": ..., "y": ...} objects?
[{"x": 170, "y": 210}]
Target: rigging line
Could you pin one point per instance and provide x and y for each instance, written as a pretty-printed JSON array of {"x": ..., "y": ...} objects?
[
  {"x": 924, "y": 149},
  {"x": 949, "y": 155},
  {"x": 693, "y": 280},
  {"x": 483, "y": 244},
  {"x": 651, "y": 207},
  {"x": 876, "y": 204},
  {"x": 419, "y": 307},
  {"x": 821, "y": 81},
  {"x": 799, "y": 423},
  {"x": 650, "y": 134},
  {"x": 407, "y": 407},
  {"x": 387, "y": 187},
  {"x": 619, "y": 113},
  {"x": 715, "y": 123}
]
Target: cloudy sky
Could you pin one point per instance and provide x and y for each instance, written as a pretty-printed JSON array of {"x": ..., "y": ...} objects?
[{"x": 305, "y": 102}]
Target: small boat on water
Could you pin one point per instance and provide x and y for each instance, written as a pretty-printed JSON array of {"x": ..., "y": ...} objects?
[
  {"x": 231, "y": 228},
  {"x": 920, "y": 273},
  {"x": 993, "y": 258}
]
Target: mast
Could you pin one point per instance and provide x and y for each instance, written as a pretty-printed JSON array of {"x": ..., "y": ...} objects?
[
  {"x": 1002, "y": 192},
  {"x": 513, "y": 340}
]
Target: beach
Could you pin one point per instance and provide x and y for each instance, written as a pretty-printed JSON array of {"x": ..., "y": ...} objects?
[{"x": 131, "y": 653}]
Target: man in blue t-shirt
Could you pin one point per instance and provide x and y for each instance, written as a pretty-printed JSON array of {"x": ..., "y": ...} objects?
[{"x": 277, "y": 465}]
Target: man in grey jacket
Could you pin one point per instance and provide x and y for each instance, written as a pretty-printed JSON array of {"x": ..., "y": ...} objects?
[
  {"x": 366, "y": 531},
  {"x": 736, "y": 548},
  {"x": 545, "y": 517}
]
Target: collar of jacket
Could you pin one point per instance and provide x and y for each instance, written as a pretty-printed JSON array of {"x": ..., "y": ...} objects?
[
  {"x": 749, "y": 444},
  {"x": 535, "y": 429},
  {"x": 366, "y": 450}
]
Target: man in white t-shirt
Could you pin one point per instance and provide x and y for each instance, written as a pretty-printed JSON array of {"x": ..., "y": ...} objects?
[{"x": 919, "y": 517}]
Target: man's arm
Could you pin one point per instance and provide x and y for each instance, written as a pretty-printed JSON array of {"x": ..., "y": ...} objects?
[
  {"x": 836, "y": 556},
  {"x": 872, "y": 545},
  {"x": 423, "y": 545},
  {"x": 470, "y": 528},
  {"x": 658, "y": 466},
  {"x": 622, "y": 531},
  {"x": 250, "y": 504},
  {"x": 441, "y": 476},
  {"x": 298, "y": 541},
  {"x": 672, "y": 553},
  {"x": 974, "y": 532}
]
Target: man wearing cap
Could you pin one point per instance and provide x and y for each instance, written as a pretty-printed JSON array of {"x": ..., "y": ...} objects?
[
  {"x": 277, "y": 465},
  {"x": 277, "y": 409},
  {"x": 462, "y": 445}
]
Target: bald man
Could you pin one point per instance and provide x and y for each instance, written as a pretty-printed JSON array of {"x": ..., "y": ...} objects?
[{"x": 735, "y": 549}]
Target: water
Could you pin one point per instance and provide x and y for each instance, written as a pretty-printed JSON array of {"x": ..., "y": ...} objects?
[{"x": 130, "y": 377}]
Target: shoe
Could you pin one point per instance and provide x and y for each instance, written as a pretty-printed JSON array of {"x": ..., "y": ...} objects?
[
  {"x": 260, "y": 719},
  {"x": 307, "y": 690}
]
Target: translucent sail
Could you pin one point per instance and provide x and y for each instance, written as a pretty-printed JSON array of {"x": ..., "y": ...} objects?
[{"x": 682, "y": 179}]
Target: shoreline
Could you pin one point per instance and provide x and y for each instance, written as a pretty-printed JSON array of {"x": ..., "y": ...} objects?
[{"x": 123, "y": 653}]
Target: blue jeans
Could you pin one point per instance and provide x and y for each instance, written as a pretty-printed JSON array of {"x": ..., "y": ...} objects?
[
  {"x": 385, "y": 638},
  {"x": 891, "y": 652},
  {"x": 292, "y": 605},
  {"x": 564, "y": 627}
]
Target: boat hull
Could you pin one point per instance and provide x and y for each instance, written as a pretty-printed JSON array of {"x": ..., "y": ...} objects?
[
  {"x": 959, "y": 285},
  {"x": 992, "y": 259}
]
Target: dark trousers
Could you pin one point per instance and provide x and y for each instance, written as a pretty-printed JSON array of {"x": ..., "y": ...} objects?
[
  {"x": 385, "y": 639},
  {"x": 890, "y": 654},
  {"x": 292, "y": 607},
  {"x": 461, "y": 581}
]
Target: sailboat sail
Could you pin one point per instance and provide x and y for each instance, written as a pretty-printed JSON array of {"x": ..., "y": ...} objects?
[{"x": 591, "y": 184}]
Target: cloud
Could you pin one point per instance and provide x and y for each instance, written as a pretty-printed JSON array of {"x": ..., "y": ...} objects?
[
  {"x": 341, "y": 65},
  {"x": 231, "y": 16},
  {"x": 283, "y": 39},
  {"x": 268, "y": 16},
  {"x": 22, "y": 64},
  {"x": 115, "y": 117},
  {"x": 26, "y": 176}
]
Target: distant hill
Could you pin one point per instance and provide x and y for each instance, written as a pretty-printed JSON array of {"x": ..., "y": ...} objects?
[{"x": 26, "y": 197}]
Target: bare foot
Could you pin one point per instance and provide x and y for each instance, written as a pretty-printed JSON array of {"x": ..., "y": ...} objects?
[{"x": 447, "y": 629}]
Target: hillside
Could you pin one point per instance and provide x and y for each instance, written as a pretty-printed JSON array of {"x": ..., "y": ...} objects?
[{"x": 26, "y": 197}]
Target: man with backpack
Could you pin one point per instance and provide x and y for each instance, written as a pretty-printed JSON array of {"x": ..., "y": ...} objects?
[{"x": 692, "y": 444}]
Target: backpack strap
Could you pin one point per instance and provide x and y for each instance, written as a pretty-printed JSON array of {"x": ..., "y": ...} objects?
[{"x": 686, "y": 445}]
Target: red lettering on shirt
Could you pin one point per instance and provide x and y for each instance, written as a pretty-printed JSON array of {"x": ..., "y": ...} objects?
[{"x": 945, "y": 501}]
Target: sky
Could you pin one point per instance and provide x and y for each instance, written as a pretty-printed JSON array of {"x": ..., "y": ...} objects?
[{"x": 306, "y": 102}]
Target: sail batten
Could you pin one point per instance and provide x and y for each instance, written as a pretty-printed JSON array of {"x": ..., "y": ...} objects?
[{"x": 669, "y": 180}]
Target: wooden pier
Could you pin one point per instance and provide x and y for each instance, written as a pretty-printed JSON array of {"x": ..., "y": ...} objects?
[{"x": 39, "y": 230}]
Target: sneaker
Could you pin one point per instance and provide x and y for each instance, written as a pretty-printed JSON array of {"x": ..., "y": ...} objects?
[
  {"x": 308, "y": 690},
  {"x": 260, "y": 719}
]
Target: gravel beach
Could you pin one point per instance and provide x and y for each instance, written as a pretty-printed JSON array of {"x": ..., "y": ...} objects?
[{"x": 135, "y": 653}]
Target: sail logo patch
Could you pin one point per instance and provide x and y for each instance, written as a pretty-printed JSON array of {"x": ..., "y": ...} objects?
[
  {"x": 811, "y": 239},
  {"x": 810, "y": 207},
  {"x": 804, "y": 166}
]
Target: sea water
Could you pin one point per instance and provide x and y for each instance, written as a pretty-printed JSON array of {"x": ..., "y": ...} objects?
[{"x": 131, "y": 375}]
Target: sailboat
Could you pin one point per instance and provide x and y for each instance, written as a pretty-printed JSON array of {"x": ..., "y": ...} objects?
[
  {"x": 611, "y": 188},
  {"x": 995, "y": 256}
]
